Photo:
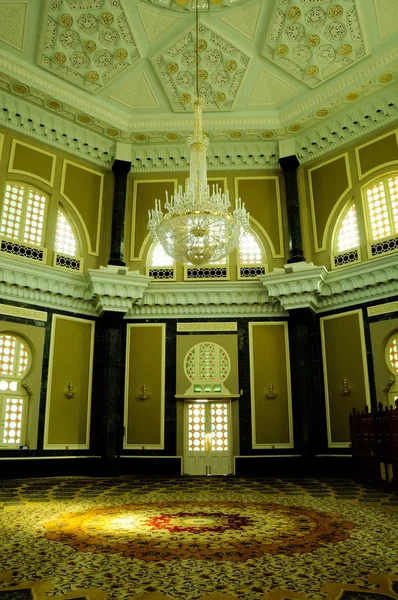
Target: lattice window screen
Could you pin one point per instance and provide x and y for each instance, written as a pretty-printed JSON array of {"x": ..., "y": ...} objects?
[
  {"x": 65, "y": 239},
  {"x": 219, "y": 427},
  {"x": 348, "y": 236},
  {"x": 196, "y": 427}
]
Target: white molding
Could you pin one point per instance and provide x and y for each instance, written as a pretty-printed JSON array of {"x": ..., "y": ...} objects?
[{"x": 297, "y": 285}]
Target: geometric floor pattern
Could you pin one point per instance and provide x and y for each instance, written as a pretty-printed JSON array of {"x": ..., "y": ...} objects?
[{"x": 198, "y": 539}]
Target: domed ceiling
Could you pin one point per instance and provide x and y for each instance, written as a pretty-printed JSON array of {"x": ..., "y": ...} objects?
[{"x": 269, "y": 70}]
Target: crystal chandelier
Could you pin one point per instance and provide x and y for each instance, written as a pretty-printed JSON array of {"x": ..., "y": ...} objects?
[{"x": 198, "y": 228}]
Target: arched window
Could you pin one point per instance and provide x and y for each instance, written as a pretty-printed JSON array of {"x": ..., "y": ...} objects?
[
  {"x": 160, "y": 265},
  {"x": 22, "y": 221},
  {"x": 65, "y": 238},
  {"x": 15, "y": 362},
  {"x": 66, "y": 244},
  {"x": 381, "y": 202},
  {"x": 251, "y": 256},
  {"x": 346, "y": 239}
]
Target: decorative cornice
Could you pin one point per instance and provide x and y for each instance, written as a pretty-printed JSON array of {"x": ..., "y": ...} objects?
[
  {"x": 344, "y": 128},
  {"x": 220, "y": 157},
  {"x": 198, "y": 299},
  {"x": 51, "y": 129},
  {"x": 304, "y": 285},
  {"x": 115, "y": 288},
  {"x": 297, "y": 285}
]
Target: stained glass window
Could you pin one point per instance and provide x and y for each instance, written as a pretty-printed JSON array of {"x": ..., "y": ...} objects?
[
  {"x": 65, "y": 239},
  {"x": 392, "y": 354},
  {"x": 348, "y": 235},
  {"x": 382, "y": 205}
]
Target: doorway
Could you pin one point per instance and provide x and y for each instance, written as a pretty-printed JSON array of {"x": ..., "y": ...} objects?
[{"x": 207, "y": 438}]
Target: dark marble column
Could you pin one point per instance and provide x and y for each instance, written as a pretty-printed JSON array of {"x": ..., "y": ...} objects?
[
  {"x": 121, "y": 169},
  {"x": 289, "y": 166},
  {"x": 309, "y": 420},
  {"x": 108, "y": 405}
]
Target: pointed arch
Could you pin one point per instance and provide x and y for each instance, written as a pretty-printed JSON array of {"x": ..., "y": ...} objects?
[
  {"x": 251, "y": 256},
  {"x": 346, "y": 237},
  {"x": 66, "y": 239}
]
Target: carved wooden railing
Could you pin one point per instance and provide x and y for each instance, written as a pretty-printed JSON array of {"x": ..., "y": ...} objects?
[{"x": 374, "y": 441}]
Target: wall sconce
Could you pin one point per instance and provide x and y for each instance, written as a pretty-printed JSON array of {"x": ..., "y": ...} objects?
[
  {"x": 345, "y": 391},
  {"x": 144, "y": 394},
  {"x": 271, "y": 395},
  {"x": 70, "y": 393}
]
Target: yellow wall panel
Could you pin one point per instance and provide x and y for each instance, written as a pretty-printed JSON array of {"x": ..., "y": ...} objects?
[
  {"x": 29, "y": 160},
  {"x": 261, "y": 196},
  {"x": 71, "y": 360},
  {"x": 144, "y": 195},
  {"x": 269, "y": 364},
  {"x": 377, "y": 153},
  {"x": 328, "y": 182},
  {"x": 83, "y": 189},
  {"x": 344, "y": 357},
  {"x": 228, "y": 342},
  {"x": 145, "y": 365}
]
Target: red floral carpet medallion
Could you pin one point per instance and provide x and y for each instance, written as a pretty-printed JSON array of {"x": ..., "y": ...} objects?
[{"x": 230, "y": 531}]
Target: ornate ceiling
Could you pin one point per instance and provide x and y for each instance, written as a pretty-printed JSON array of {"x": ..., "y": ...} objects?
[{"x": 123, "y": 70}]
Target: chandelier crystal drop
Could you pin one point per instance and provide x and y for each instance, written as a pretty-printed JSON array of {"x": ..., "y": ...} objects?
[{"x": 198, "y": 228}]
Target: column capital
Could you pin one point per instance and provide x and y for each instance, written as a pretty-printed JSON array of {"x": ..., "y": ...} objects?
[{"x": 289, "y": 163}]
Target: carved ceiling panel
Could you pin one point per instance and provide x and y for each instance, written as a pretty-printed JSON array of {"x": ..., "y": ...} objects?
[
  {"x": 12, "y": 23},
  {"x": 191, "y": 4},
  {"x": 315, "y": 39},
  {"x": 87, "y": 42},
  {"x": 221, "y": 70}
]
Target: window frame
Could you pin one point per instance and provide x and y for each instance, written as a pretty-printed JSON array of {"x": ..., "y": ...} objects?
[{"x": 240, "y": 265}]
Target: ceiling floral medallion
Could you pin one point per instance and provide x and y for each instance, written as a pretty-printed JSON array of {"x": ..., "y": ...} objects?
[
  {"x": 121, "y": 54},
  {"x": 98, "y": 33},
  {"x": 386, "y": 78},
  {"x": 66, "y": 20},
  {"x": 322, "y": 112},
  {"x": 90, "y": 46},
  {"x": 107, "y": 18},
  {"x": 221, "y": 71},
  {"x": 84, "y": 119},
  {"x": 268, "y": 134},
  {"x": 295, "y": 128},
  {"x": 282, "y": 49},
  {"x": 305, "y": 24},
  {"x": 112, "y": 132},
  {"x": 352, "y": 96},
  {"x": 187, "y": 5},
  {"x": 20, "y": 89}
]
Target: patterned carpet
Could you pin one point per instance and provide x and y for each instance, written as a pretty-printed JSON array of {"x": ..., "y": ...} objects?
[{"x": 197, "y": 538}]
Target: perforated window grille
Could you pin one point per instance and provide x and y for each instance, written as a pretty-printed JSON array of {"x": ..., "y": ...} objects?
[
  {"x": 219, "y": 427},
  {"x": 160, "y": 273},
  {"x": 23, "y": 215},
  {"x": 196, "y": 427},
  {"x": 247, "y": 272},
  {"x": 346, "y": 258},
  {"x": 384, "y": 247},
  {"x": 12, "y": 211},
  {"x": 393, "y": 190},
  {"x": 68, "y": 262},
  {"x": 249, "y": 250},
  {"x": 12, "y": 428},
  {"x": 209, "y": 272},
  {"x": 8, "y": 361},
  {"x": 65, "y": 239},
  {"x": 348, "y": 236},
  {"x": 18, "y": 249},
  {"x": 34, "y": 219}
]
